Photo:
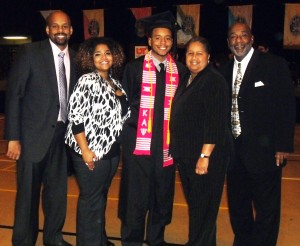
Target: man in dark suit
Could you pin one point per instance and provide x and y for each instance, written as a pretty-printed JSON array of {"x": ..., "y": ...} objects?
[
  {"x": 262, "y": 120},
  {"x": 35, "y": 128}
]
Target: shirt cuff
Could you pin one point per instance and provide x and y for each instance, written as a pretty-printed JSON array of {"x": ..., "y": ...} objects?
[{"x": 77, "y": 128}]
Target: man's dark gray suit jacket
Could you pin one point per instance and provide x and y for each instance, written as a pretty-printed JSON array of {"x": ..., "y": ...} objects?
[{"x": 32, "y": 101}]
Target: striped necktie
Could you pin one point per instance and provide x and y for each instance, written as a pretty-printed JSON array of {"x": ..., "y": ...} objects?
[
  {"x": 235, "y": 118},
  {"x": 63, "y": 101}
]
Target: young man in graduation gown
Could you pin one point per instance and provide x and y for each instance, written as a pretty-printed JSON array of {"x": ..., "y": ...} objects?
[{"x": 148, "y": 172}]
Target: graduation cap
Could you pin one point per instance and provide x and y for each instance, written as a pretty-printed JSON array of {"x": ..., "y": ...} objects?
[{"x": 165, "y": 19}]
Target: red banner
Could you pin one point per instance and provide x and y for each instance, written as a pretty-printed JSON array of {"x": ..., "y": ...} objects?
[
  {"x": 93, "y": 23},
  {"x": 140, "y": 13}
]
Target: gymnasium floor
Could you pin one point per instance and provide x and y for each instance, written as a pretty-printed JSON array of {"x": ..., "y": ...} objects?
[{"x": 176, "y": 232}]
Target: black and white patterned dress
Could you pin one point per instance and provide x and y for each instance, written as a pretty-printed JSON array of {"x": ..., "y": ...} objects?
[{"x": 94, "y": 105}]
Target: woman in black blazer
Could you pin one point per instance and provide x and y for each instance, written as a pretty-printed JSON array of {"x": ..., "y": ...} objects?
[{"x": 199, "y": 140}]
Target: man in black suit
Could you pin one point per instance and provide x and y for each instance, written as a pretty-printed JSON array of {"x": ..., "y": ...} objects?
[
  {"x": 262, "y": 119},
  {"x": 35, "y": 128}
]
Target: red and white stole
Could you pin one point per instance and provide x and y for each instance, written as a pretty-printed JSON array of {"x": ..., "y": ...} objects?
[{"x": 145, "y": 120}]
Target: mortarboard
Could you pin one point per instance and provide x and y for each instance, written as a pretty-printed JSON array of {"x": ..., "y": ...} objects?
[{"x": 165, "y": 19}]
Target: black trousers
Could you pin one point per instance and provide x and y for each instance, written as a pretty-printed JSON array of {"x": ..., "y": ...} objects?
[
  {"x": 93, "y": 186},
  {"x": 254, "y": 203},
  {"x": 51, "y": 171},
  {"x": 203, "y": 194},
  {"x": 146, "y": 191}
]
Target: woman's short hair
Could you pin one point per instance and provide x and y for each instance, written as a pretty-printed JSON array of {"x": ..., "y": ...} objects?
[
  {"x": 201, "y": 40},
  {"x": 85, "y": 61}
]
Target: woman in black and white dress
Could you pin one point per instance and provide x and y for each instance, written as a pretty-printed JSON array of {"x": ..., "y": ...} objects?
[{"x": 97, "y": 111}]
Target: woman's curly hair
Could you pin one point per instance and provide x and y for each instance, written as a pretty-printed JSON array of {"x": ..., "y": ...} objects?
[{"x": 85, "y": 61}]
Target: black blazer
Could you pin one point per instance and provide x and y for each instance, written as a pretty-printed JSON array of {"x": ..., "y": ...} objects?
[
  {"x": 267, "y": 110},
  {"x": 199, "y": 115},
  {"x": 32, "y": 101}
]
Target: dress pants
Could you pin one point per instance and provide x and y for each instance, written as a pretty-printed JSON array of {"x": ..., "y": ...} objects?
[
  {"x": 146, "y": 191},
  {"x": 203, "y": 194},
  {"x": 254, "y": 203},
  {"x": 147, "y": 188},
  {"x": 51, "y": 171},
  {"x": 93, "y": 186}
]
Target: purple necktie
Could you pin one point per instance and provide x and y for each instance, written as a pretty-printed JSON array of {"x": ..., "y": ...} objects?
[{"x": 63, "y": 101}]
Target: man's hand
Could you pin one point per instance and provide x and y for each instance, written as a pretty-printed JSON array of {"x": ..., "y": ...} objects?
[
  {"x": 281, "y": 158},
  {"x": 14, "y": 149}
]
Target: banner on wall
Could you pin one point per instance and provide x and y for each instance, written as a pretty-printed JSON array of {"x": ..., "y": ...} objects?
[
  {"x": 139, "y": 13},
  {"x": 140, "y": 50},
  {"x": 243, "y": 12},
  {"x": 291, "y": 36},
  {"x": 93, "y": 23},
  {"x": 45, "y": 13},
  {"x": 188, "y": 18}
]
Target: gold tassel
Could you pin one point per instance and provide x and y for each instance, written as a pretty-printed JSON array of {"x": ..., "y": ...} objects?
[
  {"x": 149, "y": 125},
  {"x": 168, "y": 137}
]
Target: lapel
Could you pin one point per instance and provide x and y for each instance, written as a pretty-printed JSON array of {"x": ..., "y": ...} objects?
[
  {"x": 181, "y": 87},
  {"x": 228, "y": 74},
  {"x": 48, "y": 62},
  {"x": 73, "y": 78},
  {"x": 250, "y": 71},
  {"x": 197, "y": 84}
]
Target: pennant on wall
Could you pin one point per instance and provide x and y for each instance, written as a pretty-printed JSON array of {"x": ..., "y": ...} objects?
[
  {"x": 93, "y": 23},
  {"x": 240, "y": 12},
  {"x": 45, "y": 13},
  {"x": 188, "y": 18},
  {"x": 140, "y": 13},
  {"x": 291, "y": 37}
]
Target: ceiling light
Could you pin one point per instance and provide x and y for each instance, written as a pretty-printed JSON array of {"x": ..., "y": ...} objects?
[{"x": 15, "y": 37}]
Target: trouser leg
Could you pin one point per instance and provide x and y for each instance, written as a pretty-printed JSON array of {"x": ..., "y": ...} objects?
[
  {"x": 203, "y": 195},
  {"x": 54, "y": 195},
  {"x": 26, "y": 220},
  {"x": 240, "y": 206},
  {"x": 266, "y": 200},
  {"x": 160, "y": 204},
  {"x": 93, "y": 186}
]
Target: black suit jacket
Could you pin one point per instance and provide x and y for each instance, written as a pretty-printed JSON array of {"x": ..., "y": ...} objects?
[
  {"x": 267, "y": 110},
  {"x": 132, "y": 81},
  {"x": 200, "y": 115},
  {"x": 32, "y": 101}
]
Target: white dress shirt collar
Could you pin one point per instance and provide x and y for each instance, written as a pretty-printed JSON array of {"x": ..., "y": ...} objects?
[
  {"x": 57, "y": 50},
  {"x": 244, "y": 64},
  {"x": 157, "y": 62}
]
